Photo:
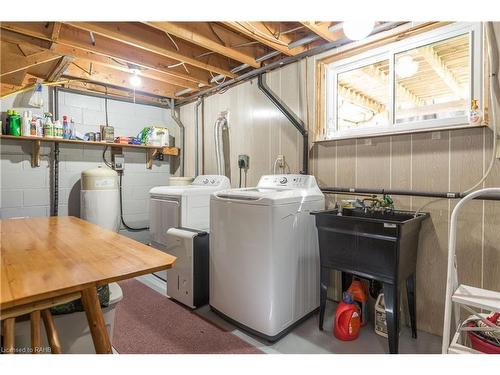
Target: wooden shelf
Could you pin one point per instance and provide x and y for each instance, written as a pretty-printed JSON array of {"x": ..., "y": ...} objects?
[{"x": 151, "y": 151}]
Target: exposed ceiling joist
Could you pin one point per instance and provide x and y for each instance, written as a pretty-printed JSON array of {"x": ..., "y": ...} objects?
[
  {"x": 60, "y": 68},
  {"x": 359, "y": 98},
  {"x": 433, "y": 59},
  {"x": 56, "y": 29},
  {"x": 99, "y": 74},
  {"x": 11, "y": 63},
  {"x": 124, "y": 66},
  {"x": 197, "y": 36},
  {"x": 259, "y": 32},
  {"x": 7, "y": 88},
  {"x": 322, "y": 29},
  {"x": 130, "y": 34},
  {"x": 375, "y": 73},
  {"x": 76, "y": 42},
  {"x": 15, "y": 79}
]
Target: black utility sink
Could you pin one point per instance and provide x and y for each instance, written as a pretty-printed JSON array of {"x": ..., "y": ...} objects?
[{"x": 378, "y": 245}]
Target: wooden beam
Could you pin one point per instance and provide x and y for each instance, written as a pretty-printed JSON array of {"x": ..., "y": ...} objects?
[
  {"x": 124, "y": 66},
  {"x": 11, "y": 63},
  {"x": 100, "y": 74},
  {"x": 16, "y": 32},
  {"x": 56, "y": 29},
  {"x": 195, "y": 35},
  {"x": 119, "y": 93},
  {"x": 359, "y": 98},
  {"x": 259, "y": 32},
  {"x": 438, "y": 65},
  {"x": 7, "y": 89},
  {"x": 130, "y": 34},
  {"x": 15, "y": 79},
  {"x": 382, "y": 77},
  {"x": 10, "y": 36},
  {"x": 60, "y": 68},
  {"x": 322, "y": 29}
]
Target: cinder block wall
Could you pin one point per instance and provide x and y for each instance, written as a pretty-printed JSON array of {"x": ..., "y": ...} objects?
[{"x": 26, "y": 191}]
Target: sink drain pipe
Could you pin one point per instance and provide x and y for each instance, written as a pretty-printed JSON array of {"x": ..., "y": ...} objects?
[
  {"x": 410, "y": 193},
  {"x": 291, "y": 116}
]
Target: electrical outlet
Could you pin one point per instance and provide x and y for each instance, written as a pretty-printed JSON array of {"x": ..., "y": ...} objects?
[
  {"x": 281, "y": 161},
  {"x": 436, "y": 135},
  {"x": 118, "y": 162},
  {"x": 243, "y": 161}
]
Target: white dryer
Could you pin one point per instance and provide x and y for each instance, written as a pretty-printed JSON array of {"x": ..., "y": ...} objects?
[
  {"x": 264, "y": 256},
  {"x": 181, "y": 206}
]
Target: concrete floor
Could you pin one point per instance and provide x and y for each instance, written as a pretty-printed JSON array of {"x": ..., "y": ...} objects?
[{"x": 308, "y": 339}]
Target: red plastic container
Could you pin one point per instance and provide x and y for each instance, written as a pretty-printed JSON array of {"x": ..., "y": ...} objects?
[
  {"x": 358, "y": 293},
  {"x": 479, "y": 343},
  {"x": 347, "y": 321}
]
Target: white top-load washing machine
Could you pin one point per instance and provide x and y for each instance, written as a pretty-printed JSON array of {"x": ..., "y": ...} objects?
[
  {"x": 181, "y": 206},
  {"x": 264, "y": 255}
]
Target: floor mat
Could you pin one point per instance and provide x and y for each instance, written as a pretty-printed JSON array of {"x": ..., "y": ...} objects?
[{"x": 147, "y": 322}]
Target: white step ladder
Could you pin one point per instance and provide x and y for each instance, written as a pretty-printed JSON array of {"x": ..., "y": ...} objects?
[{"x": 464, "y": 296}]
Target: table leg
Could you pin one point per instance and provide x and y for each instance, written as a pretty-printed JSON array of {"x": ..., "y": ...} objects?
[
  {"x": 36, "y": 338},
  {"x": 95, "y": 320},
  {"x": 410, "y": 292},
  {"x": 322, "y": 295},
  {"x": 8, "y": 335},
  {"x": 391, "y": 298},
  {"x": 50, "y": 329}
]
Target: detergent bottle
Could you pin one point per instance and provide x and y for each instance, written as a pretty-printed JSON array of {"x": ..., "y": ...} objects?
[
  {"x": 346, "y": 324},
  {"x": 358, "y": 293}
]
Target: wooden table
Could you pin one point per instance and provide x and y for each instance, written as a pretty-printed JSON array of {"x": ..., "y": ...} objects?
[{"x": 45, "y": 260}]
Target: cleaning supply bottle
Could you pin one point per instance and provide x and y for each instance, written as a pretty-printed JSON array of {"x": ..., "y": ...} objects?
[
  {"x": 15, "y": 124},
  {"x": 360, "y": 297},
  {"x": 72, "y": 128},
  {"x": 48, "y": 126},
  {"x": 33, "y": 127},
  {"x": 25, "y": 124},
  {"x": 58, "y": 129},
  {"x": 346, "y": 323},
  {"x": 475, "y": 116},
  {"x": 66, "y": 128},
  {"x": 6, "y": 129}
]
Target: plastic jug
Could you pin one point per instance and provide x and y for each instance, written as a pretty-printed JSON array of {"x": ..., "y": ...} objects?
[
  {"x": 358, "y": 293},
  {"x": 346, "y": 324}
]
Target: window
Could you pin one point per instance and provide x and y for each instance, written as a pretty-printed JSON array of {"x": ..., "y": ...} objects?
[{"x": 424, "y": 82}]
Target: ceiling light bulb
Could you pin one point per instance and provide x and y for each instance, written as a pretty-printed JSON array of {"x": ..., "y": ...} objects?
[
  {"x": 357, "y": 30},
  {"x": 135, "y": 80},
  {"x": 406, "y": 66}
]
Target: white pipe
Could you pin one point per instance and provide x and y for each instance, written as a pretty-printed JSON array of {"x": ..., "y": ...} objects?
[{"x": 452, "y": 282}]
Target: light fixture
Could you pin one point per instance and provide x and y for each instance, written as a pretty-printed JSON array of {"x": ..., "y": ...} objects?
[
  {"x": 357, "y": 30},
  {"x": 406, "y": 66},
  {"x": 135, "y": 79}
]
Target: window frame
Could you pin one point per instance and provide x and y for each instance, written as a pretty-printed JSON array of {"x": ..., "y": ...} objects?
[{"x": 388, "y": 52}]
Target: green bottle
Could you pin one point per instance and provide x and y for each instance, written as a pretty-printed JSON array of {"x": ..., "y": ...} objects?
[{"x": 15, "y": 124}]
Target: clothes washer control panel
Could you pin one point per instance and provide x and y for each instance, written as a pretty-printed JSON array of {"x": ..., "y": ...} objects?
[
  {"x": 287, "y": 180},
  {"x": 208, "y": 180}
]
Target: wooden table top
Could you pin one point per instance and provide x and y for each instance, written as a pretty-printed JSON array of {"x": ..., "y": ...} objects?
[{"x": 45, "y": 257}]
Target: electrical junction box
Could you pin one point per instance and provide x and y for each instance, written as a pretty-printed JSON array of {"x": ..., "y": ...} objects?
[
  {"x": 118, "y": 162},
  {"x": 243, "y": 161}
]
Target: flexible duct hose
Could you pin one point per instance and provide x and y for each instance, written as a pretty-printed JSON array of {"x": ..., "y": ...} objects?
[{"x": 220, "y": 125}]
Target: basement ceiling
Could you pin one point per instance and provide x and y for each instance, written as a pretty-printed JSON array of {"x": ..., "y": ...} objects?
[{"x": 173, "y": 59}]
